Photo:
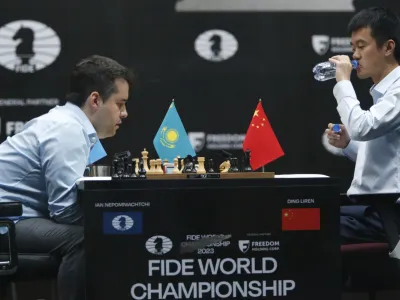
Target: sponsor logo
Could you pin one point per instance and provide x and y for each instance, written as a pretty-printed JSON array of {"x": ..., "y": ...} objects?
[
  {"x": 324, "y": 43},
  {"x": 216, "y": 141},
  {"x": 247, "y": 245}
]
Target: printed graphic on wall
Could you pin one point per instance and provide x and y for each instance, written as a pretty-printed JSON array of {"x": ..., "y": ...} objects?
[
  {"x": 216, "y": 45},
  {"x": 264, "y": 5},
  {"x": 28, "y": 46}
]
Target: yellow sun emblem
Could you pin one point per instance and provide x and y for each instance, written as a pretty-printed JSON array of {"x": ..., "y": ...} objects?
[{"x": 169, "y": 137}]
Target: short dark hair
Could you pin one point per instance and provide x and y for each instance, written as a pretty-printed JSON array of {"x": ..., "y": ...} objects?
[
  {"x": 95, "y": 73},
  {"x": 384, "y": 25}
]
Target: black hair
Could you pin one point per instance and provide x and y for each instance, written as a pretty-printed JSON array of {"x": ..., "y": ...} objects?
[
  {"x": 95, "y": 73},
  {"x": 384, "y": 25}
]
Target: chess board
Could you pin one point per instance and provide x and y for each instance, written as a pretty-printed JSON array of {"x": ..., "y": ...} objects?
[{"x": 237, "y": 175}]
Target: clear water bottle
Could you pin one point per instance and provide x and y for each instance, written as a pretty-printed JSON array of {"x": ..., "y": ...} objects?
[{"x": 327, "y": 70}]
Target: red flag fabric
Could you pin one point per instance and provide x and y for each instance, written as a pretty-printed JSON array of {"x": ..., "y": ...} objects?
[
  {"x": 260, "y": 139},
  {"x": 300, "y": 219}
]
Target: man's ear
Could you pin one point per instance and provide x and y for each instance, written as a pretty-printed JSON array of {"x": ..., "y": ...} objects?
[
  {"x": 94, "y": 100},
  {"x": 390, "y": 46}
]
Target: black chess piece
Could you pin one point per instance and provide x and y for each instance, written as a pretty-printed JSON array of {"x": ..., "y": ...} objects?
[
  {"x": 128, "y": 171},
  {"x": 189, "y": 166},
  {"x": 210, "y": 166},
  {"x": 195, "y": 163},
  {"x": 141, "y": 171},
  {"x": 115, "y": 165},
  {"x": 246, "y": 162},
  {"x": 179, "y": 163},
  {"x": 234, "y": 165}
]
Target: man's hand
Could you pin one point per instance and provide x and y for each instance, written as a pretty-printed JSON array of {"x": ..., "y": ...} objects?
[
  {"x": 340, "y": 139},
  {"x": 343, "y": 67}
]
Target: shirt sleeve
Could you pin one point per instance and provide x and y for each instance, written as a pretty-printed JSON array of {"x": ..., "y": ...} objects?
[
  {"x": 64, "y": 154},
  {"x": 365, "y": 125},
  {"x": 351, "y": 150}
]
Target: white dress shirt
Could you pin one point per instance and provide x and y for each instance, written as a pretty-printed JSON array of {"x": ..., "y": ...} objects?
[
  {"x": 374, "y": 133},
  {"x": 40, "y": 165}
]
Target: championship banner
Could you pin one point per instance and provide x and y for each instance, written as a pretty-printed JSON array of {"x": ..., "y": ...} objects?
[{"x": 173, "y": 240}]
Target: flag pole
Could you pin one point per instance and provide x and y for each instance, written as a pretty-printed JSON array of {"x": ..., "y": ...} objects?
[{"x": 262, "y": 168}]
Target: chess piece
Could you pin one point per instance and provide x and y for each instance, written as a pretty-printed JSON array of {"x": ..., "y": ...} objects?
[
  {"x": 134, "y": 170},
  {"x": 210, "y": 166},
  {"x": 152, "y": 167},
  {"x": 145, "y": 160},
  {"x": 128, "y": 171},
  {"x": 180, "y": 166},
  {"x": 114, "y": 172},
  {"x": 136, "y": 165},
  {"x": 224, "y": 167},
  {"x": 189, "y": 166},
  {"x": 246, "y": 162},
  {"x": 201, "y": 169},
  {"x": 141, "y": 171},
  {"x": 159, "y": 169},
  {"x": 234, "y": 165},
  {"x": 176, "y": 169},
  {"x": 164, "y": 166}
]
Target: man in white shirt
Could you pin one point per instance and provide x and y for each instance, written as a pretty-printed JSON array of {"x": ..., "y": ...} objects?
[
  {"x": 371, "y": 137},
  {"x": 40, "y": 165}
]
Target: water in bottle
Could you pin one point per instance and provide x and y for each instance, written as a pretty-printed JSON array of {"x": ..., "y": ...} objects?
[{"x": 327, "y": 70}]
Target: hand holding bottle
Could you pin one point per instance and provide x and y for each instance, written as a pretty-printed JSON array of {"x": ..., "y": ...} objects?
[
  {"x": 337, "y": 135},
  {"x": 343, "y": 67}
]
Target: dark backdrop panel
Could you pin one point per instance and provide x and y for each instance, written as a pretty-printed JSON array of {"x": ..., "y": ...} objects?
[{"x": 273, "y": 62}]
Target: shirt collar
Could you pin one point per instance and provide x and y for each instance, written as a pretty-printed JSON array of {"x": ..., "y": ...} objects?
[
  {"x": 84, "y": 120},
  {"x": 382, "y": 87}
]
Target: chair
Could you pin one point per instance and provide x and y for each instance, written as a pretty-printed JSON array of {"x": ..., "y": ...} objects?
[
  {"x": 369, "y": 266},
  {"x": 21, "y": 266}
]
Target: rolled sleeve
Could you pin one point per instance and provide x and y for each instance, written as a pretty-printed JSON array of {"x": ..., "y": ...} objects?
[
  {"x": 365, "y": 125},
  {"x": 351, "y": 150}
]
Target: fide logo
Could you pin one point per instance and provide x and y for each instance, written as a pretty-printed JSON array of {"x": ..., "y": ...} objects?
[
  {"x": 28, "y": 46},
  {"x": 244, "y": 245},
  {"x": 159, "y": 245},
  {"x": 122, "y": 223},
  {"x": 216, "y": 45}
]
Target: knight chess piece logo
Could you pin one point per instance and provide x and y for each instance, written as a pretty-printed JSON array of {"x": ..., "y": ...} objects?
[
  {"x": 216, "y": 45},
  {"x": 122, "y": 223},
  {"x": 320, "y": 44},
  {"x": 244, "y": 245},
  {"x": 28, "y": 46},
  {"x": 159, "y": 245}
]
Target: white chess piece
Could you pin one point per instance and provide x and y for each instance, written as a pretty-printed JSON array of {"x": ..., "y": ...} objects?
[
  {"x": 201, "y": 169},
  {"x": 176, "y": 170},
  {"x": 145, "y": 158}
]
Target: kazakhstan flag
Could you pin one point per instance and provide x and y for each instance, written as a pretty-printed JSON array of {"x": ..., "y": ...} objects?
[{"x": 171, "y": 139}]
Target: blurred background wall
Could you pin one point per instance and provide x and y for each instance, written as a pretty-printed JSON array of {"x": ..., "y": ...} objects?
[{"x": 216, "y": 58}]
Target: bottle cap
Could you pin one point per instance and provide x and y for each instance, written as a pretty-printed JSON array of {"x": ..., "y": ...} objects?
[
  {"x": 354, "y": 63},
  {"x": 336, "y": 128}
]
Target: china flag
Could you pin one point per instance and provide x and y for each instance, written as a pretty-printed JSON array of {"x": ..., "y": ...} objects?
[
  {"x": 300, "y": 219},
  {"x": 261, "y": 140}
]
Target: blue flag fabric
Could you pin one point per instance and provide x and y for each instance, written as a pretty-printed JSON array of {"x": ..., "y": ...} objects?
[
  {"x": 171, "y": 139},
  {"x": 96, "y": 153}
]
